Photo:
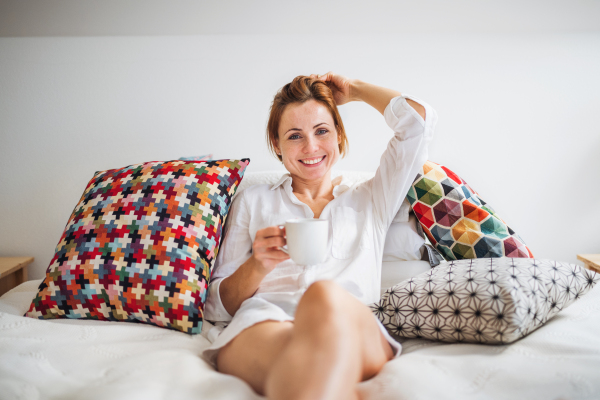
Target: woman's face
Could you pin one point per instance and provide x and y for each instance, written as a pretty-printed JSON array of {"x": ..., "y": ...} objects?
[{"x": 308, "y": 141}]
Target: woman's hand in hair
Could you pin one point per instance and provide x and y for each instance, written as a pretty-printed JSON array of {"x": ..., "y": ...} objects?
[
  {"x": 345, "y": 90},
  {"x": 340, "y": 86}
]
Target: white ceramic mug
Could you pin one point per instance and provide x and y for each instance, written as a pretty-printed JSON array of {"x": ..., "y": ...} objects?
[{"x": 307, "y": 240}]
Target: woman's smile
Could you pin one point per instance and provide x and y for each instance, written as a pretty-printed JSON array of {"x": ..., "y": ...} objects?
[{"x": 313, "y": 162}]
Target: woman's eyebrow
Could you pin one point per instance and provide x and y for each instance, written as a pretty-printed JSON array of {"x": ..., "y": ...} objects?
[{"x": 300, "y": 130}]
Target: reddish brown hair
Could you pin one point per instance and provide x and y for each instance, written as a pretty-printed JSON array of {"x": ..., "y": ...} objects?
[{"x": 300, "y": 90}]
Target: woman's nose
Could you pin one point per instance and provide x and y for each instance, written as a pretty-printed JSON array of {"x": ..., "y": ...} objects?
[{"x": 311, "y": 145}]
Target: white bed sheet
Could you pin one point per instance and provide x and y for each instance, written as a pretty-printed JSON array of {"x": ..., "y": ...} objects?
[{"x": 69, "y": 359}]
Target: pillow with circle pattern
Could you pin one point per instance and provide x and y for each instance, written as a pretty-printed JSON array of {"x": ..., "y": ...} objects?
[
  {"x": 491, "y": 300},
  {"x": 457, "y": 221},
  {"x": 140, "y": 245}
]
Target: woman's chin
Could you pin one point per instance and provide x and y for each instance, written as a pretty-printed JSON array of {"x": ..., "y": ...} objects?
[{"x": 311, "y": 173}]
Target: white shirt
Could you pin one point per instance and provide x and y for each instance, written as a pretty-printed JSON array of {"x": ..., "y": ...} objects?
[{"x": 359, "y": 219}]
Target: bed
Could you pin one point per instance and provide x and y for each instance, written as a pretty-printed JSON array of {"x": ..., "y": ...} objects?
[{"x": 73, "y": 359}]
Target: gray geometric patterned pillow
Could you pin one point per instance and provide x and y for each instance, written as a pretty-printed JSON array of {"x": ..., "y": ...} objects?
[{"x": 485, "y": 300}]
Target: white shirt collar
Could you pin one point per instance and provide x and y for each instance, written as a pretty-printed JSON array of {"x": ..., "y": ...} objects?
[{"x": 340, "y": 184}]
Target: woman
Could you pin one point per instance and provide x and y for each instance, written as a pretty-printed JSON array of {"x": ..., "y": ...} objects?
[{"x": 299, "y": 332}]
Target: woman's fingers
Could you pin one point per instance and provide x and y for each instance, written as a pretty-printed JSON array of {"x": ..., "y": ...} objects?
[
  {"x": 277, "y": 255},
  {"x": 269, "y": 240},
  {"x": 266, "y": 247},
  {"x": 330, "y": 78},
  {"x": 339, "y": 85},
  {"x": 274, "y": 241},
  {"x": 271, "y": 231},
  {"x": 326, "y": 77},
  {"x": 322, "y": 77},
  {"x": 271, "y": 252}
]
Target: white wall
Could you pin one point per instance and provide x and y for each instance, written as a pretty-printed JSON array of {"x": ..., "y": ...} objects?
[
  {"x": 193, "y": 17},
  {"x": 518, "y": 118}
]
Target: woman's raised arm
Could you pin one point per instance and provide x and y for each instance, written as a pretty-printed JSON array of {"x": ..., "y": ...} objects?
[
  {"x": 379, "y": 97},
  {"x": 406, "y": 151},
  {"x": 346, "y": 90}
]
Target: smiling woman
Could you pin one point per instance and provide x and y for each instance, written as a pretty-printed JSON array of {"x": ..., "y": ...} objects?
[
  {"x": 308, "y": 151},
  {"x": 295, "y": 94},
  {"x": 305, "y": 332}
]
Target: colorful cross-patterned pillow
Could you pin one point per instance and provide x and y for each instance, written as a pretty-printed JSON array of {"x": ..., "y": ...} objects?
[
  {"x": 457, "y": 221},
  {"x": 140, "y": 245}
]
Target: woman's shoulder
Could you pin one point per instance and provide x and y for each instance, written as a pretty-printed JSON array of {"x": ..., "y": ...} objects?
[
  {"x": 352, "y": 182},
  {"x": 253, "y": 192},
  {"x": 261, "y": 178}
]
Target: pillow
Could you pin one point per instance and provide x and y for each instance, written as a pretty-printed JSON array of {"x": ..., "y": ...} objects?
[
  {"x": 457, "y": 221},
  {"x": 393, "y": 272},
  {"x": 140, "y": 245},
  {"x": 206, "y": 157},
  {"x": 492, "y": 300},
  {"x": 403, "y": 241}
]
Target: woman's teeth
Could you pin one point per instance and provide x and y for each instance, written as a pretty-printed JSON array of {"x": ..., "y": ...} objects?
[{"x": 313, "y": 161}]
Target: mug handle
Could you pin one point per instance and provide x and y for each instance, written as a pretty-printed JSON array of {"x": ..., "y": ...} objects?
[{"x": 284, "y": 250}]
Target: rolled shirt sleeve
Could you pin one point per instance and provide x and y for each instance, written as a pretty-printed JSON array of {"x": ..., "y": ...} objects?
[
  {"x": 235, "y": 250},
  {"x": 405, "y": 155},
  {"x": 213, "y": 308}
]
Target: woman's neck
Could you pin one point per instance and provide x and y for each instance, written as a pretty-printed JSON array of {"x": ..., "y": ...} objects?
[{"x": 314, "y": 189}]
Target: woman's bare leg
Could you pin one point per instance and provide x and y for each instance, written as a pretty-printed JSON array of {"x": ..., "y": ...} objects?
[
  {"x": 252, "y": 353},
  {"x": 333, "y": 344}
]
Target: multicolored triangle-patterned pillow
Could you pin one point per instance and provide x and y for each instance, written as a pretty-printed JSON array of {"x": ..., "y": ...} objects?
[
  {"x": 140, "y": 245},
  {"x": 457, "y": 221}
]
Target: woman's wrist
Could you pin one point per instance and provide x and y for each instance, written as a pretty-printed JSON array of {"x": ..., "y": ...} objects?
[
  {"x": 376, "y": 96},
  {"x": 256, "y": 269},
  {"x": 241, "y": 285},
  {"x": 356, "y": 89}
]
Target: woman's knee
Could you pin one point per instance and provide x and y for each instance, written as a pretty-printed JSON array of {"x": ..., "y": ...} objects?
[
  {"x": 326, "y": 306},
  {"x": 332, "y": 310},
  {"x": 326, "y": 297}
]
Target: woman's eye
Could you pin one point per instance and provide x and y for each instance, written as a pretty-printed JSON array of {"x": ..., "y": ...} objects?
[
  {"x": 293, "y": 137},
  {"x": 322, "y": 131}
]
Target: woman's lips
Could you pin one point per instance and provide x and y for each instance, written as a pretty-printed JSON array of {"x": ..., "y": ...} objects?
[{"x": 312, "y": 160}]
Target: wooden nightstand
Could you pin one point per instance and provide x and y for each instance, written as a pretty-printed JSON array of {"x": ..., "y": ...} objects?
[
  {"x": 591, "y": 261},
  {"x": 13, "y": 272}
]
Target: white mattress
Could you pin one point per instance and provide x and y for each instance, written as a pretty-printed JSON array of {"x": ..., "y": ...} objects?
[{"x": 69, "y": 359}]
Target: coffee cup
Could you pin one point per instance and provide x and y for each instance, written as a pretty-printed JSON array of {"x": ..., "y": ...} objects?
[{"x": 307, "y": 240}]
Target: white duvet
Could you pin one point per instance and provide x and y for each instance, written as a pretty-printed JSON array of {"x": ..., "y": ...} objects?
[{"x": 69, "y": 359}]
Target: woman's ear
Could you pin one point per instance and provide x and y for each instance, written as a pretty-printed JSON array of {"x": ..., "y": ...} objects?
[{"x": 276, "y": 146}]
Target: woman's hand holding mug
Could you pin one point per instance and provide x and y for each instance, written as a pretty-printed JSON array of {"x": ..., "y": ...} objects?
[
  {"x": 265, "y": 249},
  {"x": 307, "y": 240}
]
